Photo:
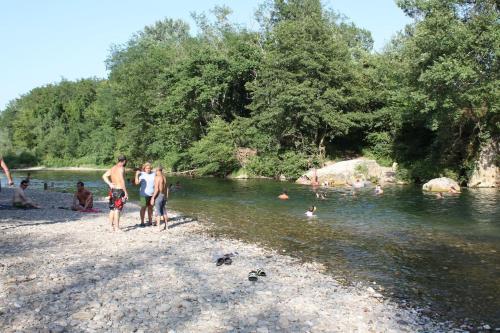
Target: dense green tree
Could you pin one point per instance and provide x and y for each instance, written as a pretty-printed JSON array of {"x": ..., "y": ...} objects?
[{"x": 449, "y": 94}]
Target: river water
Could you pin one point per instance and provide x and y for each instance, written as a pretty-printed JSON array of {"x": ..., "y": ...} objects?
[{"x": 442, "y": 254}]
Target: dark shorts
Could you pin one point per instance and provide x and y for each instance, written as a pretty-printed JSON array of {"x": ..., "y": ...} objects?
[
  {"x": 145, "y": 201},
  {"x": 116, "y": 199},
  {"x": 160, "y": 205}
]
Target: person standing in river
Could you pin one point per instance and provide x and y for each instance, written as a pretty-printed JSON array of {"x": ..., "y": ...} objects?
[
  {"x": 115, "y": 178},
  {"x": 146, "y": 179},
  {"x": 7, "y": 172},
  {"x": 160, "y": 197}
]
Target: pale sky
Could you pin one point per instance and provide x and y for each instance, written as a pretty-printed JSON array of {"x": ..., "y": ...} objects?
[{"x": 44, "y": 41}]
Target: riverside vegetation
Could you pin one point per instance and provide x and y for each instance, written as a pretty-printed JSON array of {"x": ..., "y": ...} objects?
[{"x": 304, "y": 87}]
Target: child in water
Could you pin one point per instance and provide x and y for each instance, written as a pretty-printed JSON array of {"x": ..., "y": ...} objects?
[
  {"x": 283, "y": 195},
  {"x": 310, "y": 211}
]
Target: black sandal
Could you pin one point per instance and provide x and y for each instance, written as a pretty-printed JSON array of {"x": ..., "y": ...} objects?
[
  {"x": 252, "y": 276},
  {"x": 260, "y": 272}
]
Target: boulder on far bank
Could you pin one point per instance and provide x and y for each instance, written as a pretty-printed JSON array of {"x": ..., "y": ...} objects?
[
  {"x": 346, "y": 172},
  {"x": 442, "y": 184}
]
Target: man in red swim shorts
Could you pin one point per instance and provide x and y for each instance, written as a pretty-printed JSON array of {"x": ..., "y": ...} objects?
[{"x": 115, "y": 178}]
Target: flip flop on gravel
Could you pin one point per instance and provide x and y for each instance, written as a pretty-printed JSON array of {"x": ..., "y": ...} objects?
[
  {"x": 220, "y": 261},
  {"x": 252, "y": 276},
  {"x": 260, "y": 272},
  {"x": 228, "y": 261}
]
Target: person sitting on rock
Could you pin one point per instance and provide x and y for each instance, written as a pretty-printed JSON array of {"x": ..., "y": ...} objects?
[
  {"x": 20, "y": 199},
  {"x": 283, "y": 195},
  {"x": 82, "y": 199}
]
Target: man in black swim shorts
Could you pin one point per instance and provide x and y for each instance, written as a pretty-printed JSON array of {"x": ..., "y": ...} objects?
[{"x": 115, "y": 178}]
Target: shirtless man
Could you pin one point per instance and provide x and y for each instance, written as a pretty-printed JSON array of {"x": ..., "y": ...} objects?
[
  {"x": 115, "y": 178},
  {"x": 7, "y": 172},
  {"x": 160, "y": 197},
  {"x": 83, "y": 198}
]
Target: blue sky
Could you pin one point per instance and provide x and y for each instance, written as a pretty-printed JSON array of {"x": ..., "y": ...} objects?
[{"x": 44, "y": 41}]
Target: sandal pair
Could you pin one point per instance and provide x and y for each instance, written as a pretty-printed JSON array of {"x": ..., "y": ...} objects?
[
  {"x": 253, "y": 275},
  {"x": 224, "y": 260}
]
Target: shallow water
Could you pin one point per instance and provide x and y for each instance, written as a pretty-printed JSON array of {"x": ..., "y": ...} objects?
[{"x": 440, "y": 253}]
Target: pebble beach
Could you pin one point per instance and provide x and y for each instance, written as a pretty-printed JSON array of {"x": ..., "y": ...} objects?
[{"x": 65, "y": 271}]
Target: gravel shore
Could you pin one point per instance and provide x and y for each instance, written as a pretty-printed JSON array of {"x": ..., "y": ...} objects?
[{"x": 65, "y": 271}]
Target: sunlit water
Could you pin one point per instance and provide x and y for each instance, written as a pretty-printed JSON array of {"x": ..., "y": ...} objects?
[{"x": 438, "y": 253}]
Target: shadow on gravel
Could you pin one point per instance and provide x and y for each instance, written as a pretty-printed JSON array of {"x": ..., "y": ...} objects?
[{"x": 103, "y": 289}]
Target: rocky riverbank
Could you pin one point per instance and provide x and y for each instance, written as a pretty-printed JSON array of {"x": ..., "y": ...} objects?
[{"x": 65, "y": 271}]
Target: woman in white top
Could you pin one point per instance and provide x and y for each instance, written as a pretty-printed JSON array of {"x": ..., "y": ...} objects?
[{"x": 146, "y": 179}]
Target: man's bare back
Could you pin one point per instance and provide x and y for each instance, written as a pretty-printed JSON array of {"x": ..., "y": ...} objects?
[
  {"x": 115, "y": 177},
  {"x": 117, "y": 174}
]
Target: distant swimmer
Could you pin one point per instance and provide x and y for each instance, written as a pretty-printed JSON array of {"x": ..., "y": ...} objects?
[
  {"x": 283, "y": 195},
  {"x": 118, "y": 195},
  {"x": 315, "y": 181},
  {"x": 378, "y": 190},
  {"x": 310, "y": 211},
  {"x": 358, "y": 183},
  {"x": 320, "y": 196}
]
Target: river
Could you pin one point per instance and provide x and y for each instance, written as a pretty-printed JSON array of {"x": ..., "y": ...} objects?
[{"x": 441, "y": 254}]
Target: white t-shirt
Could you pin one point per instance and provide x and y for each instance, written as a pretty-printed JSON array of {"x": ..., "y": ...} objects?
[
  {"x": 147, "y": 181},
  {"x": 309, "y": 213}
]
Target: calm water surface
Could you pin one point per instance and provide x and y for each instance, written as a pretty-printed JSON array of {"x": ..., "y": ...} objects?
[{"x": 441, "y": 253}]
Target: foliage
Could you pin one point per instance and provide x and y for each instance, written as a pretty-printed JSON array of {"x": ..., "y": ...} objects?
[
  {"x": 215, "y": 153},
  {"x": 20, "y": 160},
  {"x": 303, "y": 88}
]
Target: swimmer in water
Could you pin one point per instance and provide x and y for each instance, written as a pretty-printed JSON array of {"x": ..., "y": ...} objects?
[
  {"x": 310, "y": 211},
  {"x": 283, "y": 195}
]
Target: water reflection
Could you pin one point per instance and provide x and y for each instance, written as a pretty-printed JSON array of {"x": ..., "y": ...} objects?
[{"x": 440, "y": 251}]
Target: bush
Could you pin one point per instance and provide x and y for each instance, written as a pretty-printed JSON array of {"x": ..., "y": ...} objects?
[
  {"x": 293, "y": 164},
  {"x": 22, "y": 160},
  {"x": 215, "y": 153},
  {"x": 266, "y": 165},
  {"x": 380, "y": 148},
  {"x": 289, "y": 164}
]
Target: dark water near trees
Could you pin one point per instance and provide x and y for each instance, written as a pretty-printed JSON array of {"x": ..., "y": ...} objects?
[{"x": 439, "y": 253}]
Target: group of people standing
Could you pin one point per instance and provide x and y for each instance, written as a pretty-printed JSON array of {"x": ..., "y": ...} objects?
[{"x": 153, "y": 193}]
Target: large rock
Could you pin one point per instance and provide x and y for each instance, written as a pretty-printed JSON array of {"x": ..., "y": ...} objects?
[
  {"x": 442, "y": 184},
  {"x": 346, "y": 172},
  {"x": 486, "y": 173}
]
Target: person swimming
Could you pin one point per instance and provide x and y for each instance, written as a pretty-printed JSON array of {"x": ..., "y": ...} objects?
[
  {"x": 283, "y": 195},
  {"x": 378, "y": 190},
  {"x": 310, "y": 211},
  {"x": 320, "y": 195}
]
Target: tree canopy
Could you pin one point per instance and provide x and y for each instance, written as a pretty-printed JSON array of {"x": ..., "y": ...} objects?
[{"x": 305, "y": 87}]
